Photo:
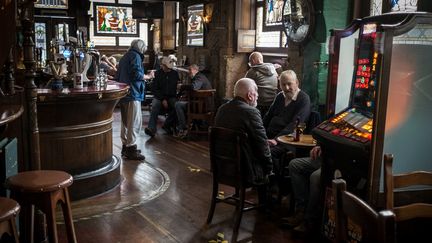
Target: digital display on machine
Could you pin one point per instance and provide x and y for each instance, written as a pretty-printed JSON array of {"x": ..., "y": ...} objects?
[
  {"x": 356, "y": 122},
  {"x": 350, "y": 124},
  {"x": 364, "y": 83}
]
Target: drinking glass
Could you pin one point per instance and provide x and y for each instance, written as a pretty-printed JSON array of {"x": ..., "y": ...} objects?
[{"x": 301, "y": 127}]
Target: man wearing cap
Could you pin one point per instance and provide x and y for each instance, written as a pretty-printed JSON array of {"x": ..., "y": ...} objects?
[{"x": 164, "y": 90}]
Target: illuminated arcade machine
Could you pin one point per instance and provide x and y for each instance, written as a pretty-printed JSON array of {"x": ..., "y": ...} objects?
[{"x": 380, "y": 101}]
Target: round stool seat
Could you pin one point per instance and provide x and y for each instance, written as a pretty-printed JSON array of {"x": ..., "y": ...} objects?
[
  {"x": 43, "y": 189},
  {"x": 39, "y": 181},
  {"x": 9, "y": 208}
]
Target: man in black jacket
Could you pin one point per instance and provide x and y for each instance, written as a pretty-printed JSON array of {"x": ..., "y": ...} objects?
[
  {"x": 241, "y": 114},
  {"x": 164, "y": 89},
  {"x": 290, "y": 106},
  {"x": 199, "y": 82}
]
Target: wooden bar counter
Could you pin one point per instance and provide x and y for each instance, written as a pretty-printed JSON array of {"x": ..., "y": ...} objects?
[{"x": 75, "y": 131}]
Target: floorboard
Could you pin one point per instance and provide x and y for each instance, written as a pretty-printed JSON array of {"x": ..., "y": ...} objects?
[{"x": 166, "y": 199}]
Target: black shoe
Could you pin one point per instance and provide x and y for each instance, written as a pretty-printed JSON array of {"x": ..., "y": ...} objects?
[
  {"x": 149, "y": 132},
  {"x": 294, "y": 220},
  {"x": 168, "y": 130},
  {"x": 181, "y": 134},
  {"x": 123, "y": 151},
  {"x": 133, "y": 154}
]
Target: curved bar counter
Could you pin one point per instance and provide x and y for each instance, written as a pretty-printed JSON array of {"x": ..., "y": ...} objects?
[{"x": 75, "y": 131}]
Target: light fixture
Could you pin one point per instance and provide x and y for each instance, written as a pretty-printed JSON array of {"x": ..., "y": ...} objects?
[{"x": 208, "y": 12}]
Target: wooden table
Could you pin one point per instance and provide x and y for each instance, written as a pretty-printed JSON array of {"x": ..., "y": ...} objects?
[
  {"x": 306, "y": 140},
  {"x": 300, "y": 148}
]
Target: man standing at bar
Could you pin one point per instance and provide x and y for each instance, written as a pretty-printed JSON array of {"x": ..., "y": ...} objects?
[{"x": 131, "y": 72}]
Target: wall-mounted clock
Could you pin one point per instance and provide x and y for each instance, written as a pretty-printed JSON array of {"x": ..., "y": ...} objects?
[{"x": 298, "y": 19}]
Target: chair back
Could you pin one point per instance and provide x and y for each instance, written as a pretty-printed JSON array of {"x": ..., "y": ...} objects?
[
  {"x": 200, "y": 107},
  {"x": 374, "y": 226},
  {"x": 201, "y": 101},
  {"x": 313, "y": 121},
  {"x": 226, "y": 155},
  {"x": 397, "y": 181}
]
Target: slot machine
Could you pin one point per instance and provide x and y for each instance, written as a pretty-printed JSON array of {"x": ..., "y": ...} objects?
[{"x": 379, "y": 100}]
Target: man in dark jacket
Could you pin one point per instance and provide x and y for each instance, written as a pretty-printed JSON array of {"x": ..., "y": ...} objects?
[
  {"x": 240, "y": 114},
  {"x": 131, "y": 72},
  {"x": 266, "y": 78},
  {"x": 290, "y": 106},
  {"x": 164, "y": 89},
  {"x": 199, "y": 82}
]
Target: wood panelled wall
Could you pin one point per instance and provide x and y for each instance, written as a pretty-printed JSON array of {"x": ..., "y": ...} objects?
[{"x": 223, "y": 65}]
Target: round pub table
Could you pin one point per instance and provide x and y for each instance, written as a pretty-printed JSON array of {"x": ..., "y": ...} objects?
[
  {"x": 300, "y": 148},
  {"x": 306, "y": 140}
]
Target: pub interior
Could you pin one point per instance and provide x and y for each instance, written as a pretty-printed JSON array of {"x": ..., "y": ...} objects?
[{"x": 362, "y": 64}]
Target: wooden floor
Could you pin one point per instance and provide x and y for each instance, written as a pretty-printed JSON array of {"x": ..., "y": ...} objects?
[{"x": 166, "y": 199}]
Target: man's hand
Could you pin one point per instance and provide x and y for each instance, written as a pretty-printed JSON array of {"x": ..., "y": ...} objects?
[
  {"x": 315, "y": 152},
  {"x": 150, "y": 75},
  {"x": 272, "y": 142}
]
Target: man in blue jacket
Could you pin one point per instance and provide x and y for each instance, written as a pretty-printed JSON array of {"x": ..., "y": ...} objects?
[{"x": 131, "y": 72}]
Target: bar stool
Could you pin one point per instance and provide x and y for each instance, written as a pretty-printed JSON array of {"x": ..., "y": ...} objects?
[
  {"x": 43, "y": 189},
  {"x": 8, "y": 211}
]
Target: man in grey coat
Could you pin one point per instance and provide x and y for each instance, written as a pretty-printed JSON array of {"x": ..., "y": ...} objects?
[{"x": 266, "y": 78}]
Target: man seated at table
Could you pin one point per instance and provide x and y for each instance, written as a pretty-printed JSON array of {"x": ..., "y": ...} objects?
[
  {"x": 266, "y": 78},
  {"x": 305, "y": 176},
  {"x": 164, "y": 88},
  {"x": 289, "y": 106},
  {"x": 199, "y": 82},
  {"x": 240, "y": 114}
]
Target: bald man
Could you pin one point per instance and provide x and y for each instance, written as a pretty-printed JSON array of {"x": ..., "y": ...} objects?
[
  {"x": 266, "y": 78},
  {"x": 240, "y": 114}
]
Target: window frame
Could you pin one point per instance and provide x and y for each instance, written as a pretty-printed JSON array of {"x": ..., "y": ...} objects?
[{"x": 282, "y": 49}]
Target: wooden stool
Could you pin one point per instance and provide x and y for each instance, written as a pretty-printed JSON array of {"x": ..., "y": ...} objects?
[
  {"x": 8, "y": 211},
  {"x": 43, "y": 189}
]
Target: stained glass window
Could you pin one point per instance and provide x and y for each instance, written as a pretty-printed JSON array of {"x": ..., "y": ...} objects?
[
  {"x": 376, "y": 7},
  {"x": 271, "y": 39},
  {"x": 40, "y": 43},
  {"x": 403, "y": 5}
]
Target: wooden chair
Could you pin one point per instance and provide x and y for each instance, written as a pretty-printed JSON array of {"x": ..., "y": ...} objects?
[
  {"x": 9, "y": 210},
  {"x": 43, "y": 189},
  {"x": 200, "y": 108},
  {"x": 227, "y": 167},
  {"x": 314, "y": 120},
  {"x": 413, "y": 208},
  {"x": 374, "y": 226}
]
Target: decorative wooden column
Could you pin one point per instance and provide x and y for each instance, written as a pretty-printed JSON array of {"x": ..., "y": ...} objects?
[
  {"x": 9, "y": 74},
  {"x": 296, "y": 58},
  {"x": 27, "y": 23}
]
